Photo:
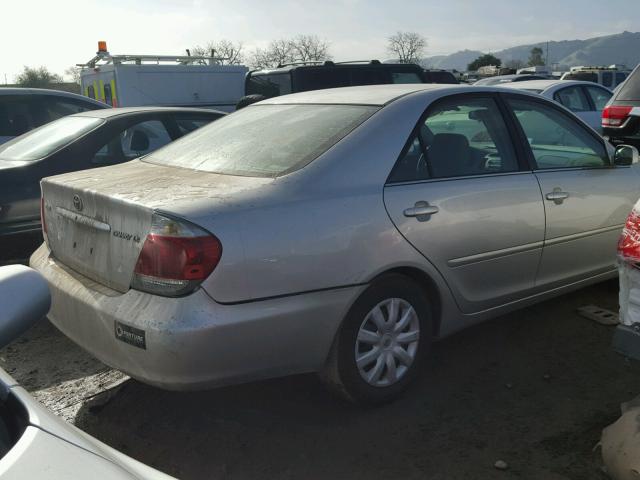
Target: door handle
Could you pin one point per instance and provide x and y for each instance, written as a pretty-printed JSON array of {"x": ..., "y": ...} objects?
[
  {"x": 557, "y": 196},
  {"x": 422, "y": 210}
]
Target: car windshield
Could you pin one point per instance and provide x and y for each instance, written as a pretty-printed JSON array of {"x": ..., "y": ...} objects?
[
  {"x": 264, "y": 140},
  {"x": 47, "y": 139}
]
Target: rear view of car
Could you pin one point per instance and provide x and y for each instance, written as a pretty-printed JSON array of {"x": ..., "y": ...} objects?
[{"x": 621, "y": 117}]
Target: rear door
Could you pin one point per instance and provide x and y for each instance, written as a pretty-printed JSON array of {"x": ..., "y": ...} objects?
[
  {"x": 586, "y": 199},
  {"x": 460, "y": 195}
]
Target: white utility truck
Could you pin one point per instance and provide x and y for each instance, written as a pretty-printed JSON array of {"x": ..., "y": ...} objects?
[{"x": 142, "y": 80}]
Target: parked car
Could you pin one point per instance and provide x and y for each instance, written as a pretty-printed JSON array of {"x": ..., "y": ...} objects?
[
  {"x": 35, "y": 442},
  {"x": 77, "y": 142},
  {"x": 302, "y": 77},
  {"x": 23, "y": 109},
  {"x": 585, "y": 99},
  {"x": 336, "y": 231},
  {"x": 502, "y": 79},
  {"x": 621, "y": 117}
]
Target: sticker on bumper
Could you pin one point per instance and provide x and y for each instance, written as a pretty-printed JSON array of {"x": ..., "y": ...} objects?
[{"x": 131, "y": 335}]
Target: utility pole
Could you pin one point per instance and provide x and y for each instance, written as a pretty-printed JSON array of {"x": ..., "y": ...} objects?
[{"x": 546, "y": 59}]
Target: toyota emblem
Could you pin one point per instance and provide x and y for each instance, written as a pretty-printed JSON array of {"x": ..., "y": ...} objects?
[{"x": 77, "y": 203}]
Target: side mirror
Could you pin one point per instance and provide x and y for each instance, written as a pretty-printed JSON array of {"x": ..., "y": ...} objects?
[
  {"x": 24, "y": 300},
  {"x": 626, "y": 155}
]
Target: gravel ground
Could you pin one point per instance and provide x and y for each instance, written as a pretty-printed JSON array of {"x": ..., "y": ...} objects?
[{"x": 533, "y": 389}]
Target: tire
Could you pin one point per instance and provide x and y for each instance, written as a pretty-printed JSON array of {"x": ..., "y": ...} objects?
[
  {"x": 343, "y": 375},
  {"x": 248, "y": 100}
]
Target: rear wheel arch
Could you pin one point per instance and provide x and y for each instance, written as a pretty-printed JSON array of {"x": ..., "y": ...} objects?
[{"x": 429, "y": 287}]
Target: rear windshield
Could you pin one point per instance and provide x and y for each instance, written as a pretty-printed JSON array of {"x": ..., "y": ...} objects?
[
  {"x": 45, "y": 140},
  {"x": 263, "y": 140},
  {"x": 630, "y": 89}
]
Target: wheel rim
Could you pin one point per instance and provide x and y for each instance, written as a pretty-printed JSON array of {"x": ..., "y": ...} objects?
[{"x": 387, "y": 342}]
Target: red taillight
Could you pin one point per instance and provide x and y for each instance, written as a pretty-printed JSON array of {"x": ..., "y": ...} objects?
[
  {"x": 629, "y": 243},
  {"x": 615, "y": 115},
  {"x": 42, "y": 219},
  {"x": 175, "y": 257}
]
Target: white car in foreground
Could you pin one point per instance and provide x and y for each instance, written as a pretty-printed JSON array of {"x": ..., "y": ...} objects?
[
  {"x": 584, "y": 99},
  {"x": 35, "y": 443}
]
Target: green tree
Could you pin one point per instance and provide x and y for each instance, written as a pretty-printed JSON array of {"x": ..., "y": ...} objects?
[
  {"x": 37, "y": 77},
  {"x": 483, "y": 61},
  {"x": 536, "y": 58}
]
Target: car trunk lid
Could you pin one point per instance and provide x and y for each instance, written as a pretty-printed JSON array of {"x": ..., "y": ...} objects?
[{"x": 97, "y": 220}]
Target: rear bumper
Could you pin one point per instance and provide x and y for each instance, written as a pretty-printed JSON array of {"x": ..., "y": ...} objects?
[{"x": 193, "y": 342}]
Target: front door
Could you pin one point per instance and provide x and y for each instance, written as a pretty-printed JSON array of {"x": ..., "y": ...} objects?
[
  {"x": 459, "y": 195},
  {"x": 586, "y": 199}
]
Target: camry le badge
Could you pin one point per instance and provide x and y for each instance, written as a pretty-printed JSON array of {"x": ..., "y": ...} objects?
[{"x": 77, "y": 203}]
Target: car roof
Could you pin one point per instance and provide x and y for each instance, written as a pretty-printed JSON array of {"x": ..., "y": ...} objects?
[
  {"x": 546, "y": 84},
  {"x": 48, "y": 92},
  {"x": 364, "y": 95},
  {"x": 114, "y": 112},
  {"x": 345, "y": 65}
]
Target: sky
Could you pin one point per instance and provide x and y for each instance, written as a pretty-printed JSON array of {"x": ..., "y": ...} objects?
[{"x": 61, "y": 33}]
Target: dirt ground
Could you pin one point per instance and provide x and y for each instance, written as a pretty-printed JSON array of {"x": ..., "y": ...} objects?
[{"x": 533, "y": 388}]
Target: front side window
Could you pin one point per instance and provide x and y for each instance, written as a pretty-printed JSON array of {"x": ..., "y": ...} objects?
[
  {"x": 460, "y": 137},
  {"x": 620, "y": 77},
  {"x": 573, "y": 98},
  {"x": 599, "y": 96},
  {"x": 607, "y": 79},
  {"x": 557, "y": 140},
  {"x": 137, "y": 140},
  {"x": 47, "y": 139},
  {"x": 263, "y": 140}
]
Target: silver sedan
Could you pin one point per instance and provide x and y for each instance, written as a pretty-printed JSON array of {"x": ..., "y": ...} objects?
[{"x": 336, "y": 231}]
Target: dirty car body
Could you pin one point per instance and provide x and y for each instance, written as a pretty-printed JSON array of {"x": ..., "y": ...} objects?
[{"x": 437, "y": 185}]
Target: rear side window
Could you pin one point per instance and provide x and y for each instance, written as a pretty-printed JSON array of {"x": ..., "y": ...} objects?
[
  {"x": 321, "y": 78},
  {"x": 460, "y": 137},
  {"x": 620, "y": 76},
  {"x": 573, "y": 98},
  {"x": 135, "y": 141},
  {"x": 599, "y": 96},
  {"x": 607, "y": 79},
  {"x": 405, "y": 77},
  {"x": 630, "y": 89},
  {"x": 263, "y": 140},
  {"x": 269, "y": 85},
  {"x": 189, "y": 124}
]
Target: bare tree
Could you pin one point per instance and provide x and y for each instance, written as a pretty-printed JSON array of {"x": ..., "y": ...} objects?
[
  {"x": 408, "y": 47},
  {"x": 310, "y": 48},
  {"x": 277, "y": 53},
  {"x": 73, "y": 72},
  {"x": 226, "y": 51},
  {"x": 303, "y": 48}
]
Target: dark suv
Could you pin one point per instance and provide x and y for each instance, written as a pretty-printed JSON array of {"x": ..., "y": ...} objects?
[
  {"x": 621, "y": 116},
  {"x": 319, "y": 75}
]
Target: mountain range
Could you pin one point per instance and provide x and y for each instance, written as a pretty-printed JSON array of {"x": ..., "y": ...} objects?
[{"x": 621, "y": 48}]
